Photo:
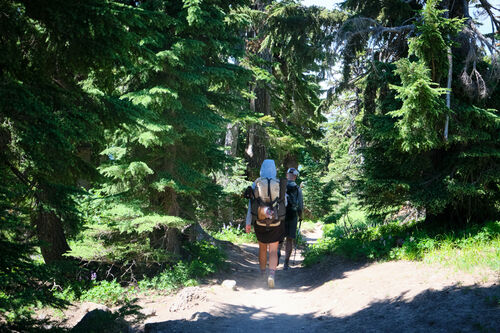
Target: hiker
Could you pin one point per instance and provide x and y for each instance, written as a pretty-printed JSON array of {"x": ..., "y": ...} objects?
[
  {"x": 294, "y": 209},
  {"x": 266, "y": 211}
]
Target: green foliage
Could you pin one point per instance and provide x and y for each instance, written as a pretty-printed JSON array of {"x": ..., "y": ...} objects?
[
  {"x": 422, "y": 113},
  {"x": 468, "y": 249},
  {"x": 24, "y": 282},
  {"x": 204, "y": 259},
  {"x": 288, "y": 51},
  {"x": 162, "y": 166},
  {"x": 432, "y": 42},
  {"x": 107, "y": 292},
  {"x": 234, "y": 235},
  {"x": 405, "y": 155},
  {"x": 168, "y": 280},
  {"x": 120, "y": 233}
]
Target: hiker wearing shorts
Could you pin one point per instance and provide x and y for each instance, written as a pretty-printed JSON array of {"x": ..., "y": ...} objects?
[
  {"x": 268, "y": 229},
  {"x": 294, "y": 209}
]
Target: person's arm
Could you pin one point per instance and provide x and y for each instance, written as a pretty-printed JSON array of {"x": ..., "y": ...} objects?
[{"x": 248, "y": 222}]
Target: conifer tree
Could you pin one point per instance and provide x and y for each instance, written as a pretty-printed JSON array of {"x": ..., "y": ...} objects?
[
  {"x": 406, "y": 157},
  {"x": 59, "y": 64},
  {"x": 48, "y": 113},
  {"x": 296, "y": 42},
  {"x": 160, "y": 173}
]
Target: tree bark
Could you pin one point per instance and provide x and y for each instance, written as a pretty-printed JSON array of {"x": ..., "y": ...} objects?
[
  {"x": 448, "y": 93},
  {"x": 256, "y": 151},
  {"x": 51, "y": 235},
  {"x": 231, "y": 142},
  {"x": 290, "y": 161},
  {"x": 165, "y": 237}
]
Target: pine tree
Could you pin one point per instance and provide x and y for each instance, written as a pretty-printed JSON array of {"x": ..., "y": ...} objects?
[
  {"x": 159, "y": 172},
  {"x": 48, "y": 115},
  {"x": 405, "y": 155},
  {"x": 59, "y": 64},
  {"x": 289, "y": 53}
]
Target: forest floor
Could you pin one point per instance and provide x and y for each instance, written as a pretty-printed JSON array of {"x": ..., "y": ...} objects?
[{"x": 337, "y": 295}]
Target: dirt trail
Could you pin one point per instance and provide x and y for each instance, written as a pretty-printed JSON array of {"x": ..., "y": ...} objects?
[{"x": 337, "y": 296}]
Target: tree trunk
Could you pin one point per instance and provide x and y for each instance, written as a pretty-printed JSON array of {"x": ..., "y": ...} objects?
[
  {"x": 448, "y": 85},
  {"x": 51, "y": 235},
  {"x": 255, "y": 151},
  {"x": 168, "y": 238},
  {"x": 231, "y": 142},
  {"x": 448, "y": 93},
  {"x": 290, "y": 161}
]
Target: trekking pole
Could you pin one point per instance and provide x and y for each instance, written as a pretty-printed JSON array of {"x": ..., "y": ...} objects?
[{"x": 296, "y": 241}]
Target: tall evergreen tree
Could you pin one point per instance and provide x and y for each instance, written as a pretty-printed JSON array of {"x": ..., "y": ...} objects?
[
  {"x": 59, "y": 64},
  {"x": 49, "y": 49},
  {"x": 160, "y": 173},
  {"x": 289, "y": 53},
  {"x": 406, "y": 157}
]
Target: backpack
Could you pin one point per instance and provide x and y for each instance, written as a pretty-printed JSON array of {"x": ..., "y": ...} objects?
[
  {"x": 267, "y": 199},
  {"x": 292, "y": 195}
]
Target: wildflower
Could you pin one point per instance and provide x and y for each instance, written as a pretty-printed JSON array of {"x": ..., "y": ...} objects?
[{"x": 93, "y": 276}]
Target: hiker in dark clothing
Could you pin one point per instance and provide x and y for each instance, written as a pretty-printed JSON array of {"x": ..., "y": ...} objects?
[{"x": 294, "y": 207}]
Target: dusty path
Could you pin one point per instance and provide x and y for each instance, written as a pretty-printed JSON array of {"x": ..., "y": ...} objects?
[{"x": 337, "y": 296}]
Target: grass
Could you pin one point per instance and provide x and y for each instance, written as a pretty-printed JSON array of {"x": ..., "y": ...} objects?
[
  {"x": 308, "y": 225},
  {"x": 234, "y": 235},
  {"x": 477, "y": 247}
]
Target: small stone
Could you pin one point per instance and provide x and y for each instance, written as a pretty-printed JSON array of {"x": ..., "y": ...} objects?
[
  {"x": 149, "y": 312},
  {"x": 229, "y": 284}
]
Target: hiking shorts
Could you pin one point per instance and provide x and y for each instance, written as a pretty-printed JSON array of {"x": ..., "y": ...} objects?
[
  {"x": 268, "y": 235},
  {"x": 291, "y": 228}
]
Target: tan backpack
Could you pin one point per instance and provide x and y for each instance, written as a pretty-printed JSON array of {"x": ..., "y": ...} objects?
[{"x": 268, "y": 202}]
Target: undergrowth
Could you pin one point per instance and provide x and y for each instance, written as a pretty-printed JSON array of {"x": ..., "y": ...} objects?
[
  {"x": 201, "y": 259},
  {"x": 234, "y": 235},
  {"x": 474, "y": 247}
]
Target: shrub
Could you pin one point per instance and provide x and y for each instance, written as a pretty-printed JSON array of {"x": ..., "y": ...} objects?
[
  {"x": 107, "y": 292},
  {"x": 203, "y": 259},
  {"x": 465, "y": 249},
  {"x": 234, "y": 235}
]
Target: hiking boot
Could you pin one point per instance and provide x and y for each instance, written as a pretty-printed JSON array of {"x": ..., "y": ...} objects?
[{"x": 270, "y": 281}]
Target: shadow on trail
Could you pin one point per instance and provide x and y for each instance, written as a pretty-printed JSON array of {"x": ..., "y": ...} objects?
[
  {"x": 454, "y": 309},
  {"x": 244, "y": 269}
]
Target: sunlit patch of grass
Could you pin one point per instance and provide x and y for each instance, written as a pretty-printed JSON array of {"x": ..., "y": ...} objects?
[
  {"x": 234, "y": 235},
  {"x": 476, "y": 248},
  {"x": 467, "y": 256}
]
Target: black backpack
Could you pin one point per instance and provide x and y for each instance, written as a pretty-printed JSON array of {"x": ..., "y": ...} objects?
[{"x": 292, "y": 192}]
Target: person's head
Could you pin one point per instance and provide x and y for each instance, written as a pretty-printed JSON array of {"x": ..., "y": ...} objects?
[
  {"x": 292, "y": 174},
  {"x": 268, "y": 169}
]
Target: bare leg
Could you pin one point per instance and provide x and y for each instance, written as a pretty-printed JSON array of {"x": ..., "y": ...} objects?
[
  {"x": 262, "y": 256},
  {"x": 273, "y": 255},
  {"x": 273, "y": 262}
]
